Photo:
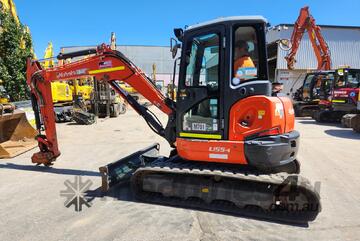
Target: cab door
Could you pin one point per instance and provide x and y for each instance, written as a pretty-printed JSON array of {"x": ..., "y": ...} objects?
[{"x": 199, "y": 111}]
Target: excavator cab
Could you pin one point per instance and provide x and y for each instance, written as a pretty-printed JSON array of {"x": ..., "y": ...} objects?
[
  {"x": 224, "y": 101},
  {"x": 209, "y": 83}
]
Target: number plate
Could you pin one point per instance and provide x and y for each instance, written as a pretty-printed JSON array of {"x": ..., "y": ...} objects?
[{"x": 198, "y": 126}]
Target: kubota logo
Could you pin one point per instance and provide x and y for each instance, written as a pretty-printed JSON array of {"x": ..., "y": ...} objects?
[{"x": 71, "y": 73}]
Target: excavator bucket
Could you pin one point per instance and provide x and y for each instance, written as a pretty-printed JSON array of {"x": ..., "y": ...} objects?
[{"x": 16, "y": 134}]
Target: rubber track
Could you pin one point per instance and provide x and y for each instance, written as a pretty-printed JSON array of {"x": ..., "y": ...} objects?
[{"x": 171, "y": 167}]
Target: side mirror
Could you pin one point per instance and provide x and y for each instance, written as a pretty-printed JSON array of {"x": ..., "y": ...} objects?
[
  {"x": 174, "y": 46},
  {"x": 285, "y": 44},
  {"x": 179, "y": 33}
]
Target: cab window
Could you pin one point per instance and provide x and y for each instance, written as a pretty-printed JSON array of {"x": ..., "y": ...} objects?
[
  {"x": 203, "y": 117},
  {"x": 203, "y": 62},
  {"x": 353, "y": 80},
  {"x": 307, "y": 86},
  {"x": 203, "y": 69},
  {"x": 245, "y": 55}
]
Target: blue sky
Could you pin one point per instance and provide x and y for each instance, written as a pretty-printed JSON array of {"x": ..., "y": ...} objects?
[{"x": 90, "y": 22}]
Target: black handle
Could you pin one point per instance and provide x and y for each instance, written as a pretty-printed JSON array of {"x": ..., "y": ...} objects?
[{"x": 76, "y": 54}]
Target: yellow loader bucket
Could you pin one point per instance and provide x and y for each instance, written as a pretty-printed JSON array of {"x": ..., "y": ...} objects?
[{"x": 16, "y": 134}]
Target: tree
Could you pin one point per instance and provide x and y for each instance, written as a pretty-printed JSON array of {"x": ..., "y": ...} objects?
[{"x": 15, "y": 48}]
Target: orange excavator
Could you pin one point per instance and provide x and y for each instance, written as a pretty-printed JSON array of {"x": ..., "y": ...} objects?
[
  {"x": 306, "y": 22},
  {"x": 316, "y": 86},
  {"x": 234, "y": 145}
]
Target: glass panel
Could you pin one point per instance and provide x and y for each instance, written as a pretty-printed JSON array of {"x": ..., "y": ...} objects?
[
  {"x": 203, "y": 62},
  {"x": 326, "y": 84},
  {"x": 203, "y": 117},
  {"x": 245, "y": 55},
  {"x": 306, "y": 89},
  {"x": 353, "y": 79}
]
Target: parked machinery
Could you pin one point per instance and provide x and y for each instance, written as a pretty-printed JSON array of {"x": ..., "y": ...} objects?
[
  {"x": 316, "y": 88},
  {"x": 83, "y": 99},
  {"x": 234, "y": 146},
  {"x": 105, "y": 101},
  {"x": 305, "y": 102},
  {"x": 343, "y": 98}
]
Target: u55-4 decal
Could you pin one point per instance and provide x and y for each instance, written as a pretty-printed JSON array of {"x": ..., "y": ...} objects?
[{"x": 220, "y": 149}]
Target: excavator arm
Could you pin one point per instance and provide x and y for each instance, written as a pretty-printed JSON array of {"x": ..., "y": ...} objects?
[
  {"x": 105, "y": 64},
  {"x": 306, "y": 22}
]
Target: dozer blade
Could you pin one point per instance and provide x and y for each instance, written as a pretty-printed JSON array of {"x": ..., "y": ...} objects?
[
  {"x": 122, "y": 170},
  {"x": 16, "y": 134}
]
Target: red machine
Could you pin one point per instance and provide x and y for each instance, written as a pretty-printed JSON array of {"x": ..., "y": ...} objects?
[
  {"x": 228, "y": 133},
  {"x": 344, "y": 97},
  {"x": 315, "y": 91},
  {"x": 306, "y": 22}
]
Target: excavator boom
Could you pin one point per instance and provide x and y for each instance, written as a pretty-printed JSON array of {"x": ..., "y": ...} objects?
[
  {"x": 105, "y": 64},
  {"x": 306, "y": 22}
]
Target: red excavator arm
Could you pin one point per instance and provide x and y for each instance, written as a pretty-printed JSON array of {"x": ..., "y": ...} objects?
[
  {"x": 105, "y": 64},
  {"x": 306, "y": 22}
]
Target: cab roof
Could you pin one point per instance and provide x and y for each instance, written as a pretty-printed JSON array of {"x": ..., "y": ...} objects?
[{"x": 255, "y": 18}]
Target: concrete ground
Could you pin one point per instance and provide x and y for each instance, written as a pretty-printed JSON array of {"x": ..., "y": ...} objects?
[{"x": 32, "y": 208}]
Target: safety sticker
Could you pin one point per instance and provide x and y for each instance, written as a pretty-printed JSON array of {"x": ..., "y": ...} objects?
[
  {"x": 261, "y": 113},
  {"x": 246, "y": 73},
  {"x": 105, "y": 64},
  {"x": 215, "y": 127}
]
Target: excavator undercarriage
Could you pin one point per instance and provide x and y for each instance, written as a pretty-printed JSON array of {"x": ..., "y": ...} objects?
[{"x": 284, "y": 197}]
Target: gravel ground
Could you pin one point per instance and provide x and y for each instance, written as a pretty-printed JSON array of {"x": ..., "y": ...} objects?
[{"x": 32, "y": 208}]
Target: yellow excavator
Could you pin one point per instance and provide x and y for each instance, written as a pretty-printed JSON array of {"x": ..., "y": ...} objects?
[
  {"x": 16, "y": 134},
  {"x": 82, "y": 99},
  {"x": 63, "y": 93},
  {"x": 8, "y": 5}
]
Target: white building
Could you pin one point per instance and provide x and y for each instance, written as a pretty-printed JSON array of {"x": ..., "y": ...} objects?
[{"x": 343, "y": 42}]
